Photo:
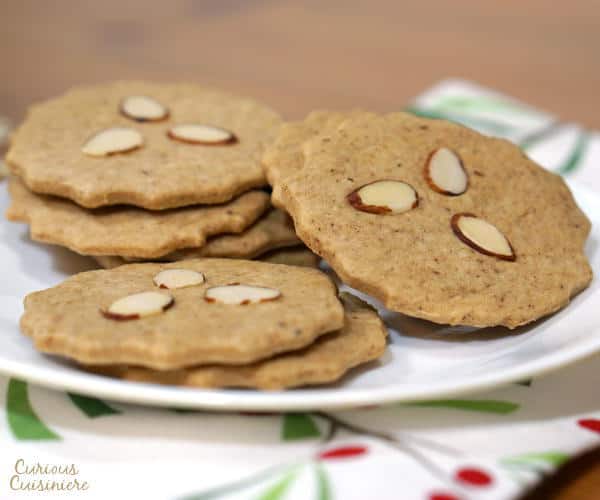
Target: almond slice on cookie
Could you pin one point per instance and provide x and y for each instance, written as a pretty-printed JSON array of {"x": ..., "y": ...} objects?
[
  {"x": 142, "y": 108},
  {"x": 138, "y": 305},
  {"x": 113, "y": 141},
  {"x": 237, "y": 294},
  {"x": 384, "y": 197},
  {"x": 445, "y": 173},
  {"x": 194, "y": 133},
  {"x": 482, "y": 236},
  {"x": 178, "y": 278}
]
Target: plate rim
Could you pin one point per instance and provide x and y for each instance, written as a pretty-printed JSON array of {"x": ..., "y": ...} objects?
[{"x": 139, "y": 393}]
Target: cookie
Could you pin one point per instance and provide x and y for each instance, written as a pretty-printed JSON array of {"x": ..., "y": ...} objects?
[
  {"x": 439, "y": 222},
  {"x": 362, "y": 339},
  {"x": 129, "y": 231},
  {"x": 295, "y": 256},
  {"x": 152, "y": 145},
  {"x": 168, "y": 316}
]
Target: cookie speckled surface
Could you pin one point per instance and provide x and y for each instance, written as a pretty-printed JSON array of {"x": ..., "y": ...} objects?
[
  {"x": 53, "y": 151},
  {"x": 414, "y": 261},
  {"x": 283, "y": 158},
  {"x": 362, "y": 339},
  {"x": 120, "y": 316},
  {"x": 129, "y": 231}
]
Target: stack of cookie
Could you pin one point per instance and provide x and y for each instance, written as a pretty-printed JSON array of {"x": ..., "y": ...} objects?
[
  {"x": 138, "y": 171},
  {"x": 206, "y": 323}
]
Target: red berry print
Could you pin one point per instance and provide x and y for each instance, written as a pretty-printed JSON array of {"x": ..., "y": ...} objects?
[
  {"x": 443, "y": 496},
  {"x": 473, "y": 476},
  {"x": 591, "y": 424},
  {"x": 342, "y": 452}
]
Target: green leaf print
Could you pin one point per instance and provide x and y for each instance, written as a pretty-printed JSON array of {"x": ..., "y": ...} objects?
[
  {"x": 298, "y": 426},
  {"x": 22, "y": 420},
  {"x": 278, "y": 490},
  {"x": 229, "y": 488},
  {"x": 553, "y": 458},
  {"x": 478, "y": 405},
  {"x": 92, "y": 407},
  {"x": 576, "y": 154},
  {"x": 324, "y": 489},
  {"x": 482, "y": 103}
]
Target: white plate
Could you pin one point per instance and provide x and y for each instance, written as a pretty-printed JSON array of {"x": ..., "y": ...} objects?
[{"x": 423, "y": 361}]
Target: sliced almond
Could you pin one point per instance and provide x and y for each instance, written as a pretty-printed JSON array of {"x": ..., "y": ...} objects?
[
  {"x": 112, "y": 141},
  {"x": 445, "y": 173},
  {"x": 384, "y": 197},
  {"x": 193, "y": 133},
  {"x": 240, "y": 294},
  {"x": 142, "y": 108},
  {"x": 139, "y": 305},
  {"x": 482, "y": 236},
  {"x": 178, "y": 278}
]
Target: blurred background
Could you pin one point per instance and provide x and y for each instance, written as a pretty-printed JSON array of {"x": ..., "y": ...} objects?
[{"x": 300, "y": 55}]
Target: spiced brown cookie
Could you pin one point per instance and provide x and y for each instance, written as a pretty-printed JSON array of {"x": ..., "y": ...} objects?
[
  {"x": 168, "y": 316},
  {"x": 152, "y": 145},
  {"x": 438, "y": 221}
]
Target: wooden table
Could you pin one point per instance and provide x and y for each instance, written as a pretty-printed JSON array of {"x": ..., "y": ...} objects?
[
  {"x": 303, "y": 55},
  {"x": 313, "y": 54}
]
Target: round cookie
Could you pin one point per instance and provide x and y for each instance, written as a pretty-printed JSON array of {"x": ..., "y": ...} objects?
[
  {"x": 129, "y": 231},
  {"x": 418, "y": 262},
  {"x": 176, "y": 165},
  {"x": 362, "y": 339},
  {"x": 242, "y": 311}
]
